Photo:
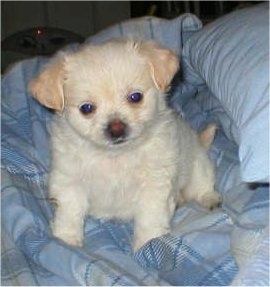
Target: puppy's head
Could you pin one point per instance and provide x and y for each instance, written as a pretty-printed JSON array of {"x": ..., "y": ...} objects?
[{"x": 110, "y": 94}]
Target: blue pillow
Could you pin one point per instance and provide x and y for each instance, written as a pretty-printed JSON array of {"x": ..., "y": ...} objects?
[
  {"x": 170, "y": 33},
  {"x": 231, "y": 57}
]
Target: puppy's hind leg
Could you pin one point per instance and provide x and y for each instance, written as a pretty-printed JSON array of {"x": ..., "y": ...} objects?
[{"x": 201, "y": 186}]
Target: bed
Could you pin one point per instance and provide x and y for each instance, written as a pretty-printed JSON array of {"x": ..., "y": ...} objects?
[{"x": 224, "y": 78}]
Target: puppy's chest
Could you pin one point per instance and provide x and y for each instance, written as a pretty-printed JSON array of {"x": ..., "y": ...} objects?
[
  {"x": 117, "y": 171},
  {"x": 112, "y": 184}
]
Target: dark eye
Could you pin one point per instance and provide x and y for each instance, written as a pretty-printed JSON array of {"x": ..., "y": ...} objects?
[
  {"x": 87, "y": 108},
  {"x": 135, "y": 97}
]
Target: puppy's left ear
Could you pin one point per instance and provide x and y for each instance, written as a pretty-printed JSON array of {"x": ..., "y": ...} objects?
[
  {"x": 47, "y": 88},
  {"x": 163, "y": 64}
]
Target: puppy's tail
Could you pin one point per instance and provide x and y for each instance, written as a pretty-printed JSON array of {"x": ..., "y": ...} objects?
[{"x": 206, "y": 136}]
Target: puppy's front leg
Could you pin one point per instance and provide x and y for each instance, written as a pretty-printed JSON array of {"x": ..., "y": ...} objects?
[
  {"x": 152, "y": 219},
  {"x": 68, "y": 222}
]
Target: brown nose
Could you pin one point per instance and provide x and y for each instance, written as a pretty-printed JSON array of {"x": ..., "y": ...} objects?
[{"x": 116, "y": 129}]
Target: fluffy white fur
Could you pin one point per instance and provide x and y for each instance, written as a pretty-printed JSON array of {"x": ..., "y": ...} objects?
[{"x": 161, "y": 162}]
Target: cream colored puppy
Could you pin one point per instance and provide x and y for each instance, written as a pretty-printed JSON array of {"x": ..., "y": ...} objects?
[{"x": 118, "y": 151}]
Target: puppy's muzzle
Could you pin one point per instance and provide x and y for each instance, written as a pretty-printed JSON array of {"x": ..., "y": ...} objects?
[{"x": 116, "y": 131}]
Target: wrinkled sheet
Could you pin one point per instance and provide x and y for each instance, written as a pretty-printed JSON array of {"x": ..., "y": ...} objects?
[{"x": 226, "y": 246}]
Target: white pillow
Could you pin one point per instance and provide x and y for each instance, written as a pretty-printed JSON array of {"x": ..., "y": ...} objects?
[{"x": 231, "y": 57}]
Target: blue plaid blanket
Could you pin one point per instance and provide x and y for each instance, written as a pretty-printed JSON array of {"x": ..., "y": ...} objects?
[{"x": 227, "y": 246}]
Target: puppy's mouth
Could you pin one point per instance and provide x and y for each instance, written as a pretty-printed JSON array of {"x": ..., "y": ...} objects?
[{"x": 118, "y": 141}]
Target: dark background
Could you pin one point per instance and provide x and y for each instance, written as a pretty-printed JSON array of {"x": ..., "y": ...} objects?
[
  {"x": 205, "y": 10},
  {"x": 30, "y": 28}
]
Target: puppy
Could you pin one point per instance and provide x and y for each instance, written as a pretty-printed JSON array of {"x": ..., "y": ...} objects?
[{"x": 118, "y": 151}]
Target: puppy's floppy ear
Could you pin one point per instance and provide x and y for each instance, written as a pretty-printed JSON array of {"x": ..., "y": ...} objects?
[
  {"x": 163, "y": 63},
  {"x": 47, "y": 88}
]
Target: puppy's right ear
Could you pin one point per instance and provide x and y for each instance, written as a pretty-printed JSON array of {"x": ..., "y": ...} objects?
[
  {"x": 163, "y": 63},
  {"x": 47, "y": 88}
]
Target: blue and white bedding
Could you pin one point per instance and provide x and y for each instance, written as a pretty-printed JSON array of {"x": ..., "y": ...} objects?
[{"x": 224, "y": 79}]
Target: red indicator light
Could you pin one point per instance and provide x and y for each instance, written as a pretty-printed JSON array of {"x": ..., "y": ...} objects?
[{"x": 39, "y": 32}]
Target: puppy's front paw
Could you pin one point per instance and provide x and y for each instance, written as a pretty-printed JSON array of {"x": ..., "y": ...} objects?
[
  {"x": 72, "y": 237},
  {"x": 142, "y": 236},
  {"x": 138, "y": 243}
]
